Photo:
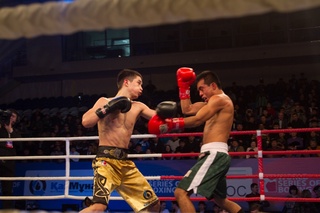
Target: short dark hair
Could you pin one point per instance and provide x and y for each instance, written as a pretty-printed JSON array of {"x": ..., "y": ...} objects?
[
  {"x": 126, "y": 74},
  {"x": 293, "y": 187},
  {"x": 209, "y": 77},
  {"x": 253, "y": 185}
]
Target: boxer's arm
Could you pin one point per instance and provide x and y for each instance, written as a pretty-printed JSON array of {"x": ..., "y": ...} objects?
[
  {"x": 207, "y": 111},
  {"x": 146, "y": 112},
  {"x": 160, "y": 125},
  {"x": 120, "y": 103},
  {"x": 185, "y": 78},
  {"x": 90, "y": 118},
  {"x": 189, "y": 108}
]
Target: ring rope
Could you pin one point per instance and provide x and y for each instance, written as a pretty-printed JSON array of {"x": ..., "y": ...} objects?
[
  {"x": 162, "y": 155},
  {"x": 168, "y": 177},
  {"x": 67, "y": 177},
  {"x": 137, "y": 136},
  {"x": 55, "y": 197}
]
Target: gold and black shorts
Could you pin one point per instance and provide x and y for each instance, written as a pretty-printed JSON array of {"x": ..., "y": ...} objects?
[{"x": 113, "y": 171}]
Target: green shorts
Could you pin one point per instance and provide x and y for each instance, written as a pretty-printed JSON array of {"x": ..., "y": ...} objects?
[{"x": 208, "y": 176}]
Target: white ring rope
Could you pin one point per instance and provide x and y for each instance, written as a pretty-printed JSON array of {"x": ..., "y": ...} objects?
[
  {"x": 67, "y": 157},
  {"x": 67, "y": 176},
  {"x": 54, "y": 18}
]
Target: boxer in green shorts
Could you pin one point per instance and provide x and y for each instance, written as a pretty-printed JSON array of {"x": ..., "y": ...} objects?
[{"x": 208, "y": 176}]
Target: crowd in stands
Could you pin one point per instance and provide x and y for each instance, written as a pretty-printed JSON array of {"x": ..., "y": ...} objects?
[{"x": 286, "y": 103}]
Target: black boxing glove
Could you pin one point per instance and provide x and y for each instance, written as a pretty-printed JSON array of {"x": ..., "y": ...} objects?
[
  {"x": 166, "y": 109},
  {"x": 118, "y": 103}
]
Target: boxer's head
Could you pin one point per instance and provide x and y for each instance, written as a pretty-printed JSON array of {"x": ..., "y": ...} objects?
[
  {"x": 126, "y": 74},
  {"x": 209, "y": 77}
]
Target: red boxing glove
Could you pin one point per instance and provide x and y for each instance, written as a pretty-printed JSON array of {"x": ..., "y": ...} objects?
[
  {"x": 185, "y": 78},
  {"x": 158, "y": 126}
]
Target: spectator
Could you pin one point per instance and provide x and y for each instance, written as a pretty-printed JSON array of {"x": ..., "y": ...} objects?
[
  {"x": 175, "y": 207},
  {"x": 57, "y": 151},
  {"x": 202, "y": 207},
  {"x": 296, "y": 122},
  {"x": 275, "y": 126},
  {"x": 313, "y": 145},
  {"x": 182, "y": 148},
  {"x": 282, "y": 139},
  {"x": 73, "y": 151},
  {"x": 173, "y": 143},
  {"x": 299, "y": 110},
  {"x": 92, "y": 149},
  {"x": 271, "y": 112},
  {"x": 194, "y": 143},
  {"x": 8, "y": 148},
  {"x": 314, "y": 123},
  {"x": 255, "y": 193},
  {"x": 235, "y": 147},
  {"x": 25, "y": 152},
  {"x": 163, "y": 207},
  {"x": 253, "y": 148},
  {"x": 266, "y": 123},
  {"x": 274, "y": 146},
  {"x": 293, "y": 193},
  {"x": 244, "y": 139},
  {"x": 282, "y": 120},
  {"x": 303, "y": 207},
  {"x": 138, "y": 150},
  {"x": 249, "y": 121},
  {"x": 145, "y": 144},
  {"x": 167, "y": 150},
  {"x": 261, "y": 100},
  {"x": 39, "y": 152},
  {"x": 294, "y": 142},
  {"x": 156, "y": 146},
  {"x": 313, "y": 135},
  {"x": 316, "y": 191},
  {"x": 148, "y": 151}
]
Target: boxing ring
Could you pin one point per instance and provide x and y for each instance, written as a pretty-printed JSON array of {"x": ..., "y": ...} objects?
[
  {"x": 261, "y": 175},
  {"x": 60, "y": 18}
]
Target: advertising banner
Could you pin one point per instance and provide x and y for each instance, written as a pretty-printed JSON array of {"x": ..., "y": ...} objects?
[{"x": 165, "y": 188}]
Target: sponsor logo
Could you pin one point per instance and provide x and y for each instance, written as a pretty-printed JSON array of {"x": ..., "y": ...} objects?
[{"x": 37, "y": 187}]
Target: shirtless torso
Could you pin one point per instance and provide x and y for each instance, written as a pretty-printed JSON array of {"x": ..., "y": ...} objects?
[
  {"x": 217, "y": 114},
  {"x": 116, "y": 129}
]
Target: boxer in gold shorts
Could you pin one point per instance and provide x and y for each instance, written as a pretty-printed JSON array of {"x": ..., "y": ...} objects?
[{"x": 116, "y": 117}]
